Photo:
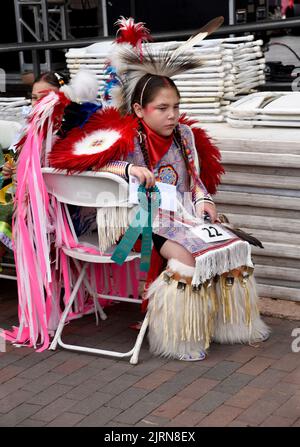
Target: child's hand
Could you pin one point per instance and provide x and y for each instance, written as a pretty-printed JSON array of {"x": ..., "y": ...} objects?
[
  {"x": 210, "y": 209},
  {"x": 8, "y": 170},
  {"x": 145, "y": 176}
]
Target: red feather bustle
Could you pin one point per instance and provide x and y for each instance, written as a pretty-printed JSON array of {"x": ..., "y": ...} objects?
[
  {"x": 209, "y": 156},
  {"x": 63, "y": 154}
]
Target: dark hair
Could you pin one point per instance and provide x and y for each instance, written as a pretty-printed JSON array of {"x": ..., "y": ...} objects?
[
  {"x": 55, "y": 79},
  {"x": 148, "y": 86}
]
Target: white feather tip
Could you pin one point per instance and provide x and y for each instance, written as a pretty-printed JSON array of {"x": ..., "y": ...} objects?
[{"x": 84, "y": 87}]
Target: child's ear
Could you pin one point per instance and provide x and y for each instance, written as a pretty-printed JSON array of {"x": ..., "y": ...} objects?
[{"x": 138, "y": 110}]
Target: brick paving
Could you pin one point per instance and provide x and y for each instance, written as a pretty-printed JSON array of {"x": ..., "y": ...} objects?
[{"x": 236, "y": 386}]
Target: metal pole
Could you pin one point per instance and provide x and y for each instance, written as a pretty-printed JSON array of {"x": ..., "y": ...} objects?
[
  {"x": 231, "y": 18},
  {"x": 104, "y": 18},
  {"x": 46, "y": 36},
  {"x": 159, "y": 37},
  {"x": 18, "y": 14},
  {"x": 36, "y": 63}
]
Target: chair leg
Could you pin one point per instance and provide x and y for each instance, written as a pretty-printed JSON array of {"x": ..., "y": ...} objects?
[
  {"x": 57, "y": 338},
  {"x": 97, "y": 305},
  {"x": 67, "y": 309},
  {"x": 136, "y": 350}
]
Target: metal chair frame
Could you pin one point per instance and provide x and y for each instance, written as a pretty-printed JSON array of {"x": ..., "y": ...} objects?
[{"x": 93, "y": 192}]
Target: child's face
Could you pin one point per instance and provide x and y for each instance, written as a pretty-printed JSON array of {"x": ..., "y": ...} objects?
[
  {"x": 41, "y": 89},
  {"x": 162, "y": 113}
]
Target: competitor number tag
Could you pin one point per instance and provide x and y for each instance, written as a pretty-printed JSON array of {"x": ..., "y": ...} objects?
[
  {"x": 211, "y": 233},
  {"x": 167, "y": 194}
]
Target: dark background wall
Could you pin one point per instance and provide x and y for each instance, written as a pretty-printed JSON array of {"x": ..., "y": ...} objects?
[
  {"x": 167, "y": 15},
  {"x": 159, "y": 15}
]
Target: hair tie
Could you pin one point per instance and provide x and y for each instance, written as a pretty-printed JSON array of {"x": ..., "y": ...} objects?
[{"x": 60, "y": 79}]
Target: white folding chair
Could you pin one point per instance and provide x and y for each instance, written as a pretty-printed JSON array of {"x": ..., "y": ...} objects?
[{"x": 97, "y": 190}]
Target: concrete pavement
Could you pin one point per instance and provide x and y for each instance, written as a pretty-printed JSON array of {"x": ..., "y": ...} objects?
[{"x": 235, "y": 386}]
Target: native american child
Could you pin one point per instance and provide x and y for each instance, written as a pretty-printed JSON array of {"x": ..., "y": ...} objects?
[
  {"x": 200, "y": 286},
  {"x": 197, "y": 290}
]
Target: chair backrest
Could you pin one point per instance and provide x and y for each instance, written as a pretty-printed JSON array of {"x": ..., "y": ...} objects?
[{"x": 89, "y": 189}]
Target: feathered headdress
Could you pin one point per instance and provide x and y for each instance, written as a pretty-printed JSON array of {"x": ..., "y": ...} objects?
[
  {"x": 132, "y": 35},
  {"x": 131, "y": 61}
]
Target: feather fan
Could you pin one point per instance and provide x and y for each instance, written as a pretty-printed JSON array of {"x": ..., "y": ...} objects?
[{"x": 106, "y": 136}]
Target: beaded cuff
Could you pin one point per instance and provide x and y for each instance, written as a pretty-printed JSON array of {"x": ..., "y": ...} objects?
[
  {"x": 200, "y": 195},
  {"x": 117, "y": 167}
]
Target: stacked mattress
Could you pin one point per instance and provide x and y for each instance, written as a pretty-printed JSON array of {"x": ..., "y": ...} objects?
[
  {"x": 231, "y": 67},
  {"x": 280, "y": 109},
  {"x": 12, "y": 109},
  {"x": 92, "y": 58}
]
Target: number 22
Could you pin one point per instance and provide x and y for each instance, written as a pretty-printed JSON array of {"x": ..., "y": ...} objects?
[{"x": 209, "y": 229}]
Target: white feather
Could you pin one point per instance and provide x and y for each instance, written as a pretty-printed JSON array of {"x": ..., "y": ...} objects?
[
  {"x": 83, "y": 87},
  {"x": 117, "y": 96},
  {"x": 207, "y": 29},
  {"x": 189, "y": 44},
  {"x": 116, "y": 54}
]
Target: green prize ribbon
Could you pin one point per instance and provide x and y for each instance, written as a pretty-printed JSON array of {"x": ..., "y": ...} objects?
[{"x": 149, "y": 201}]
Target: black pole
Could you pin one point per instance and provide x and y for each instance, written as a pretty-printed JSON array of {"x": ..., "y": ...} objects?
[
  {"x": 36, "y": 63},
  {"x": 132, "y": 8},
  {"x": 232, "y": 29}
]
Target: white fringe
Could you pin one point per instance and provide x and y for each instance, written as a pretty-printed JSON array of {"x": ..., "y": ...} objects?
[
  {"x": 173, "y": 313},
  {"x": 222, "y": 260},
  {"x": 238, "y": 331},
  {"x": 166, "y": 313},
  {"x": 112, "y": 223},
  {"x": 184, "y": 322}
]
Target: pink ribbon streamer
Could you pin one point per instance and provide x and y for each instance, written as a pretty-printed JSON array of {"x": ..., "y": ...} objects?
[{"x": 41, "y": 228}]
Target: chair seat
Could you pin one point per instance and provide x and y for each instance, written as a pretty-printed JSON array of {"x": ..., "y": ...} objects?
[{"x": 91, "y": 240}]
